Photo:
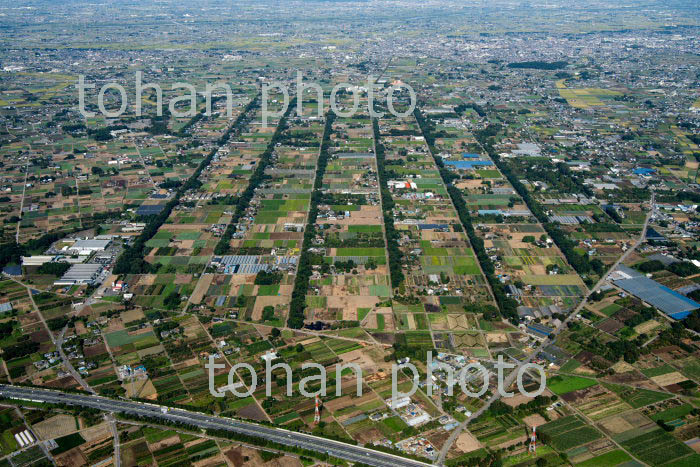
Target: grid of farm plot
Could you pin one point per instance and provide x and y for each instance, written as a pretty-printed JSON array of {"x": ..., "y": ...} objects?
[
  {"x": 184, "y": 245},
  {"x": 256, "y": 275},
  {"x": 523, "y": 254},
  {"x": 438, "y": 263},
  {"x": 353, "y": 277}
]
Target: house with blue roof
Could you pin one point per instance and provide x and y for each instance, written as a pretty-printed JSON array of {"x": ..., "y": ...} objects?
[{"x": 645, "y": 172}]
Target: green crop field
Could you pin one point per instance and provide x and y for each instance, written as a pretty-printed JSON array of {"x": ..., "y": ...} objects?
[
  {"x": 609, "y": 459},
  {"x": 122, "y": 338},
  {"x": 658, "y": 371},
  {"x": 569, "y": 432},
  {"x": 611, "y": 309},
  {"x": 673, "y": 413},
  {"x": 657, "y": 447},
  {"x": 637, "y": 397},
  {"x": 563, "y": 384}
]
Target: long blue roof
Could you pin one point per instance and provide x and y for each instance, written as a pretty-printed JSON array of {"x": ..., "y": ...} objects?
[
  {"x": 469, "y": 164},
  {"x": 669, "y": 301}
]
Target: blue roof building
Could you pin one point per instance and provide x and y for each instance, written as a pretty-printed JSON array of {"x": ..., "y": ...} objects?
[
  {"x": 469, "y": 164},
  {"x": 668, "y": 301},
  {"x": 539, "y": 330}
]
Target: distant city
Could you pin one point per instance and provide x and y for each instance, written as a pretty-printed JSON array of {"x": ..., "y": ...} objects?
[{"x": 363, "y": 232}]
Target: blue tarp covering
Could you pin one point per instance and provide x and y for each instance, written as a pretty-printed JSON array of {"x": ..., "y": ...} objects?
[
  {"x": 432, "y": 226},
  {"x": 468, "y": 164},
  {"x": 13, "y": 270}
]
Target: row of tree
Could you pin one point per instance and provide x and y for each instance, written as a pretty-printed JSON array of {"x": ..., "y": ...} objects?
[
  {"x": 507, "y": 305},
  {"x": 581, "y": 263},
  {"x": 132, "y": 259},
  {"x": 224, "y": 245},
  {"x": 392, "y": 235},
  {"x": 304, "y": 270}
]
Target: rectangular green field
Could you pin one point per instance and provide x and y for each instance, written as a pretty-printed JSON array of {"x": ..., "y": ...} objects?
[{"x": 564, "y": 384}]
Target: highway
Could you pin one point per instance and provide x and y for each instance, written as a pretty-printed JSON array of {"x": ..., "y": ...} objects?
[{"x": 277, "y": 435}]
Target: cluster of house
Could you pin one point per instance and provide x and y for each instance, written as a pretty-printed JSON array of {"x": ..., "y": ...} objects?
[
  {"x": 456, "y": 362},
  {"x": 50, "y": 358},
  {"x": 419, "y": 446},
  {"x": 125, "y": 372},
  {"x": 410, "y": 412}
]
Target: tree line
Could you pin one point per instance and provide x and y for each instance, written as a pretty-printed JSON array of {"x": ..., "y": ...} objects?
[
  {"x": 392, "y": 235},
  {"x": 223, "y": 246},
  {"x": 507, "y": 305},
  {"x": 132, "y": 259},
  {"x": 301, "y": 282},
  {"x": 581, "y": 263}
]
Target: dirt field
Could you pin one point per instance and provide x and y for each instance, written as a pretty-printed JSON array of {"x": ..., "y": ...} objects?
[
  {"x": 96, "y": 432},
  {"x": 360, "y": 358},
  {"x": 244, "y": 456},
  {"x": 349, "y": 304},
  {"x": 694, "y": 445},
  {"x": 262, "y": 302},
  {"x": 367, "y": 436},
  {"x": 469, "y": 183},
  {"x": 668, "y": 379},
  {"x": 624, "y": 422},
  {"x": 466, "y": 442},
  {"x": 646, "y": 327},
  {"x": 55, "y": 427},
  {"x": 456, "y": 322},
  {"x": 71, "y": 458},
  {"x": 131, "y": 315},
  {"x": 211, "y": 461},
  {"x": 622, "y": 367},
  {"x": 169, "y": 441},
  {"x": 534, "y": 420},
  {"x": 499, "y": 338},
  {"x": 252, "y": 411},
  {"x": 517, "y": 399},
  {"x": 147, "y": 390},
  {"x": 201, "y": 289}
]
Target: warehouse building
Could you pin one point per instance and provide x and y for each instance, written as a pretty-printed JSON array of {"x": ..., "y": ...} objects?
[
  {"x": 80, "y": 274},
  {"x": 85, "y": 247}
]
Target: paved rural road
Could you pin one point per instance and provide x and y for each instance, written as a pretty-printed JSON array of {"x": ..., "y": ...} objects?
[
  {"x": 278, "y": 435},
  {"x": 511, "y": 377}
]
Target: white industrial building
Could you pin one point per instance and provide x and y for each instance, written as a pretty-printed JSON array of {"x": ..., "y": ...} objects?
[
  {"x": 399, "y": 403},
  {"x": 89, "y": 246},
  {"x": 418, "y": 419},
  {"x": 80, "y": 274},
  {"x": 36, "y": 260}
]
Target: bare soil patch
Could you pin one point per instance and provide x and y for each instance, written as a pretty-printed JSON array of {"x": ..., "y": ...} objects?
[{"x": 466, "y": 442}]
